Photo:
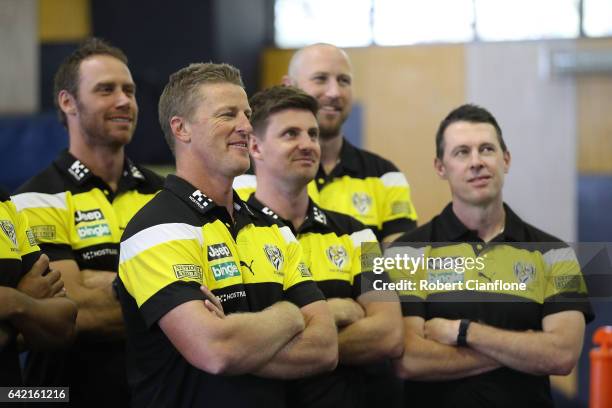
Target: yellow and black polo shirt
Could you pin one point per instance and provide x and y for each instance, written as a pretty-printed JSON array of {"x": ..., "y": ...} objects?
[
  {"x": 182, "y": 240},
  {"x": 75, "y": 215},
  {"x": 18, "y": 252},
  {"x": 362, "y": 185},
  {"x": 332, "y": 244},
  {"x": 488, "y": 292}
]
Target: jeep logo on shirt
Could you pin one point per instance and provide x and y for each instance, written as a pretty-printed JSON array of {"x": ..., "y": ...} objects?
[
  {"x": 225, "y": 270},
  {"x": 218, "y": 251},
  {"x": 86, "y": 216}
]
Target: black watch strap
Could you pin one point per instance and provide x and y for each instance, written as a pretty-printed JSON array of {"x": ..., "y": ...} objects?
[{"x": 462, "y": 335}]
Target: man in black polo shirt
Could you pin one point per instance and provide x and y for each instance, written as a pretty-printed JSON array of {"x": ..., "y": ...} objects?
[
  {"x": 499, "y": 305},
  {"x": 271, "y": 321},
  {"x": 285, "y": 150},
  {"x": 349, "y": 180},
  {"x": 77, "y": 208}
]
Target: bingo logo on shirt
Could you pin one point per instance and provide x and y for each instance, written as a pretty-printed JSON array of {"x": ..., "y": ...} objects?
[
  {"x": 218, "y": 251},
  {"x": 94, "y": 231},
  {"x": 225, "y": 270}
]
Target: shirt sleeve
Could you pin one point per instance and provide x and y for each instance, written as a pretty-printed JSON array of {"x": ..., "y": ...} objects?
[
  {"x": 398, "y": 212},
  {"x": 162, "y": 267},
  {"x": 565, "y": 286},
  {"x": 28, "y": 247},
  {"x": 365, "y": 249},
  {"x": 50, "y": 218}
]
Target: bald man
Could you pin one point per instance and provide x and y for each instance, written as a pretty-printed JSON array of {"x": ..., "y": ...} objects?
[{"x": 349, "y": 180}]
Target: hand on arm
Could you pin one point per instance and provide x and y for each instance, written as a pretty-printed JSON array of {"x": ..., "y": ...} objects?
[
  {"x": 234, "y": 344},
  {"x": 37, "y": 284},
  {"x": 99, "y": 311},
  {"x": 312, "y": 351},
  {"x": 377, "y": 336},
  {"x": 429, "y": 360},
  {"x": 345, "y": 311},
  {"x": 554, "y": 350},
  {"x": 44, "y": 323}
]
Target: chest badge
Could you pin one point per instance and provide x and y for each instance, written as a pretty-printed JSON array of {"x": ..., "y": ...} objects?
[
  {"x": 9, "y": 230},
  {"x": 362, "y": 202},
  {"x": 337, "y": 255},
  {"x": 275, "y": 256},
  {"x": 524, "y": 272}
]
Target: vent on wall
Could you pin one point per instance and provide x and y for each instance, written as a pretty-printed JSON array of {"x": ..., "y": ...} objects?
[{"x": 577, "y": 62}]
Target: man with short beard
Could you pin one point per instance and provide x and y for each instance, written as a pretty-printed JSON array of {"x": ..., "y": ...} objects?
[
  {"x": 350, "y": 180},
  {"x": 77, "y": 208}
]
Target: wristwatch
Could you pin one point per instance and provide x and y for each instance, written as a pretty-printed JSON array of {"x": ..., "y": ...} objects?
[{"x": 462, "y": 335}]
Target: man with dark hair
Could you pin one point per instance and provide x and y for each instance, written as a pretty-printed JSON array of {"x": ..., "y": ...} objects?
[
  {"x": 349, "y": 180},
  {"x": 285, "y": 150},
  {"x": 32, "y": 298},
  {"x": 218, "y": 303},
  {"x": 77, "y": 208},
  {"x": 491, "y": 333}
]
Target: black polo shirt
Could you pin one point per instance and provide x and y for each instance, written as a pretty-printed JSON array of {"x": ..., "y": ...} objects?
[
  {"x": 178, "y": 242},
  {"x": 520, "y": 254},
  {"x": 75, "y": 215}
]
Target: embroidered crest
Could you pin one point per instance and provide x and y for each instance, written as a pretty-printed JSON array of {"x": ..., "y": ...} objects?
[
  {"x": 337, "y": 255},
  {"x": 9, "y": 230},
  {"x": 524, "y": 272},
  {"x": 362, "y": 202},
  {"x": 275, "y": 256}
]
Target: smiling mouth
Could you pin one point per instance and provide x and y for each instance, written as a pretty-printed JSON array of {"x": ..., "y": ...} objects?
[
  {"x": 479, "y": 179},
  {"x": 242, "y": 145},
  {"x": 121, "y": 120}
]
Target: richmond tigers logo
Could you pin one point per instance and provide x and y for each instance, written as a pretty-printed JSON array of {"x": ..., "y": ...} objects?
[{"x": 337, "y": 255}]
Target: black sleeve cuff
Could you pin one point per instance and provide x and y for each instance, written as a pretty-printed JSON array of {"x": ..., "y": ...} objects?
[
  {"x": 569, "y": 301},
  {"x": 57, "y": 252},
  {"x": 168, "y": 298},
  {"x": 397, "y": 225},
  {"x": 304, "y": 293}
]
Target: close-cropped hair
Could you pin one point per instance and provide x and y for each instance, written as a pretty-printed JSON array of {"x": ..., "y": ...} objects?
[
  {"x": 276, "y": 99},
  {"x": 67, "y": 76},
  {"x": 182, "y": 92},
  {"x": 467, "y": 113}
]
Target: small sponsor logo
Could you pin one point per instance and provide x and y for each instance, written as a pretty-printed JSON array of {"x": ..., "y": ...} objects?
[
  {"x": 89, "y": 255},
  {"x": 444, "y": 277},
  {"x": 9, "y": 230},
  {"x": 225, "y": 270},
  {"x": 78, "y": 170},
  {"x": 337, "y": 255},
  {"x": 319, "y": 215},
  {"x": 400, "y": 207},
  {"x": 200, "y": 199},
  {"x": 94, "y": 231},
  {"x": 87, "y": 216},
  {"x": 44, "y": 232},
  {"x": 269, "y": 213},
  {"x": 275, "y": 256},
  {"x": 524, "y": 272},
  {"x": 567, "y": 282},
  {"x": 248, "y": 266},
  {"x": 135, "y": 172},
  {"x": 304, "y": 271},
  {"x": 31, "y": 237},
  {"x": 187, "y": 271},
  {"x": 362, "y": 202},
  {"x": 218, "y": 251}
]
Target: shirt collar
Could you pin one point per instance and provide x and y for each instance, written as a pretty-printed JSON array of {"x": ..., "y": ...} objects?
[
  {"x": 80, "y": 174},
  {"x": 315, "y": 216},
  {"x": 197, "y": 199},
  {"x": 349, "y": 156},
  {"x": 455, "y": 230}
]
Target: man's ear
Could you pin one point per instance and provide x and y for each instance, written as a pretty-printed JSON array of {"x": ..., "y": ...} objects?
[
  {"x": 440, "y": 168},
  {"x": 255, "y": 147},
  {"x": 181, "y": 129},
  {"x": 507, "y": 160},
  {"x": 286, "y": 81},
  {"x": 67, "y": 103}
]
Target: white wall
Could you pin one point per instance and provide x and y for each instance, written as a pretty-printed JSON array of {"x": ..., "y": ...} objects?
[
  {"x": 19, "y": 59},
  {"x": 537, "y": 116}
]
